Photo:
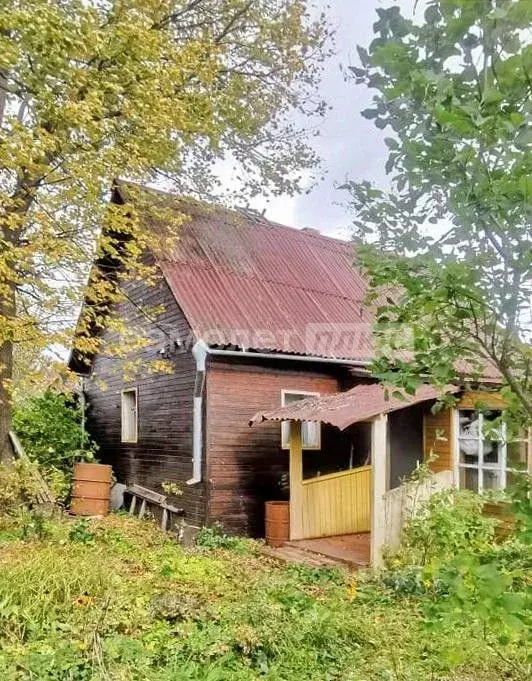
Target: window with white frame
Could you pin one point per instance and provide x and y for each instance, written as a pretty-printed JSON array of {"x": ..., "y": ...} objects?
[
  {"x": 129, "y": 415},
  {"x": 486, "y": 460},
  {"x": 310, "y": 431}
]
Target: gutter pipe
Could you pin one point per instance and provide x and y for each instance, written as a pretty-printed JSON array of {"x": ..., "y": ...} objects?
[
  {"x": 200, "y": 351},
  {"x": 297, "y": 358}
]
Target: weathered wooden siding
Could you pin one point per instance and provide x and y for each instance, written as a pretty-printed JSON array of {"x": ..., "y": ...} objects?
[
  {"x": 438, "y": 439},
  {"x": 164, "y": 448},
  {"x": 245, "y": 464}
]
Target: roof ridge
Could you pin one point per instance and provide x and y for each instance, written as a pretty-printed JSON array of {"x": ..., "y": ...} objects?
[{"x": 259, "y": 220}]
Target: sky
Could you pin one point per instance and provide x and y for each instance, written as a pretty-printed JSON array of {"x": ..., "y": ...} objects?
[{"x": 349, "y": 145}]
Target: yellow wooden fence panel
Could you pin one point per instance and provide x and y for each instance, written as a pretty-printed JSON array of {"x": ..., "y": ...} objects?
[{"x": 339, "y": 503}]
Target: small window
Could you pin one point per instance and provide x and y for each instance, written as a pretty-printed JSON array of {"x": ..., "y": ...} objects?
[
  {"x": 129, "y": 415},
  {"x": 310, "y": 431},
  {"x": 486, "y": 459}
]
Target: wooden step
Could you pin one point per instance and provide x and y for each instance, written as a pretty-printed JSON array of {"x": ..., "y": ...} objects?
[{"x": 293, "y": 554}]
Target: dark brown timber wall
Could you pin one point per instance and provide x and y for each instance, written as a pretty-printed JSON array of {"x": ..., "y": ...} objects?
[
  {"x": 164, "y": 448},
  {"x": 244, "y": 465}
]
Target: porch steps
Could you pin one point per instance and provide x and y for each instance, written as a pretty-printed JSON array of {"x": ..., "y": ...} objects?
[
  {"x": 350, "y": 551},
  {"x": 293, "y": 554}
]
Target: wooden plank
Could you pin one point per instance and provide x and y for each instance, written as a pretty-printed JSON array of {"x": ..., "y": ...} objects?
[
  {"x": 438, "y": 440},
  {"x": 379, "y": 450},
  {"x": 145, "y": 493},
  {"x": 340, "y": 474},
  {"x": 296, "y": 478},
  {"x": 481, "y": 399},
  {"x": 44, "y": 495},
  {"x": 337, "y": 504}
]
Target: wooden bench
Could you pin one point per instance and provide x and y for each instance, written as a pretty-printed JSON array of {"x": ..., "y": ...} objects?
[{"x": 148, "y": 496}]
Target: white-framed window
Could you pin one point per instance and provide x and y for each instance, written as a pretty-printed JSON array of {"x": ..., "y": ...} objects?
[
  {"x": 486, "y": 459},
  {"x": 310, "y": 431},
  {"x": 129, "y": 415}
]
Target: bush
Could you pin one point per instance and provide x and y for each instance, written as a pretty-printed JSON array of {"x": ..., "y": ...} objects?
[
  {"x": 462, "y": 578},
  {"x": 20, "y": 510},
  {"x": 448, "y": 523},
  {"x": 50, "y": 430},
  {"x": 17, "y": 486}
]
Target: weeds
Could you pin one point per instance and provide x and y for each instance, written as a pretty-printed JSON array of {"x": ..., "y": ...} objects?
[
  {"x": 214, "y": 538},
  {"x": 117, "y": 599}
]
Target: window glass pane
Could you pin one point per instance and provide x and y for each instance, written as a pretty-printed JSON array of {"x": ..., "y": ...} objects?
[
  {"x": 469, "y": 451},
  {"x": 492, "y": 437},
  {"x": 516, "y": 455},
  {"x": 310, "y": 431},
  {"x": 290, "y": 398},
  {"x": 492, "y": 479},
  {"x": 310, "y": 434},
  {"x": 129, "y": 416},
  {"x": 492, "y": 452},
  {"x": 469, "y": 425},
  {"x": 468, "y": 437},
  {"x": 469, "y": 478}
]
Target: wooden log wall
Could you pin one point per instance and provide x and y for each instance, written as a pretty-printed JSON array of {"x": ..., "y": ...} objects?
[
  {"x": 163, "y": 451},
  {"x": 245, "y": 463}
]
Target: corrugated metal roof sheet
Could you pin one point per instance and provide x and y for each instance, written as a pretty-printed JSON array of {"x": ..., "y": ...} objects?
[
  {"x": 242, "y": 280},
  {"x": 361, "y": 403}
]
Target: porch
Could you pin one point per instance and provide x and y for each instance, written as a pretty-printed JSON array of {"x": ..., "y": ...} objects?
[
  {"x": 351, "y": 551},
  {"x": 334, "y": 516}
]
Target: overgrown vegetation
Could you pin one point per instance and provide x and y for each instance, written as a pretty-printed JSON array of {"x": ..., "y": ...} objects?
[
  {"x": 50, "y": 430},
  {"x": 118, "y": 599},
  {"x": 452, "y": 234}
]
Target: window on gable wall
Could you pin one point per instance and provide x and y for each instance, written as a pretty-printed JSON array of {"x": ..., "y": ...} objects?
[
  {"x": 129, "y": 414},
  {"x": 310, "y": 431},
  {"x": 486, "y": 460}
]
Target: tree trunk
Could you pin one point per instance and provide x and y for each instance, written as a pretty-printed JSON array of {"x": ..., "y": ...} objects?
[{"x": 7, "y": 312}]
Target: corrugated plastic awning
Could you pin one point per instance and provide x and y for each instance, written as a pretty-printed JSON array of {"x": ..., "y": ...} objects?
[{"x": 361, "y": 403}]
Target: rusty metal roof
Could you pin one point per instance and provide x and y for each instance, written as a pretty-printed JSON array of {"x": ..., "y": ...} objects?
[
  {"x": 244, "y": 281},
  {"x": 361, "y": 403}
]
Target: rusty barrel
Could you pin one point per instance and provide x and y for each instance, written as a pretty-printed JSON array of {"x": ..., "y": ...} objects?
[
  {"x": 91, "y": 489},
  {"x": 277, "y": 522}
]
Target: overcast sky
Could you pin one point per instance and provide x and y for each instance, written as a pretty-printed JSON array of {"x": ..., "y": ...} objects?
[{"x": 349, "y": 145}]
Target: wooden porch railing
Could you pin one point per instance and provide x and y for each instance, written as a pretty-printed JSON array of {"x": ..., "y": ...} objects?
[{"x": 338, "y": 503}]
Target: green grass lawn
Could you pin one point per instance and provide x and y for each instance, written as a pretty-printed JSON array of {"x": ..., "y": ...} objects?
[{"x": 118, "y": 600}]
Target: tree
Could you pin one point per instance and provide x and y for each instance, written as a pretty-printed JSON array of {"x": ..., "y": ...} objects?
[
  {"x": 450, "y": 240},
  {"x": 142, "y": 89}
]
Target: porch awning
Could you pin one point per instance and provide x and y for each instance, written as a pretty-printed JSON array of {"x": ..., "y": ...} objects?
[{"x": 361, "y": 403}]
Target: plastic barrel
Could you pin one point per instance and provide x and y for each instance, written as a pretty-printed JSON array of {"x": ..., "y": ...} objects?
[{"x": 91, "y": 489}]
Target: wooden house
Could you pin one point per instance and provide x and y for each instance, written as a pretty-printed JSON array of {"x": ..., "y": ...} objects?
[{"x": 266, "y": 325}]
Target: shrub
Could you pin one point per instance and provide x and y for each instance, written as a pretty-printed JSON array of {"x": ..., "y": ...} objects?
[
  {"x": 18, "y": 487},
  {"x": 449, "y": 522},
  {"x": 50, "y": 430},
  {"x": 20, "y": 509}
]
